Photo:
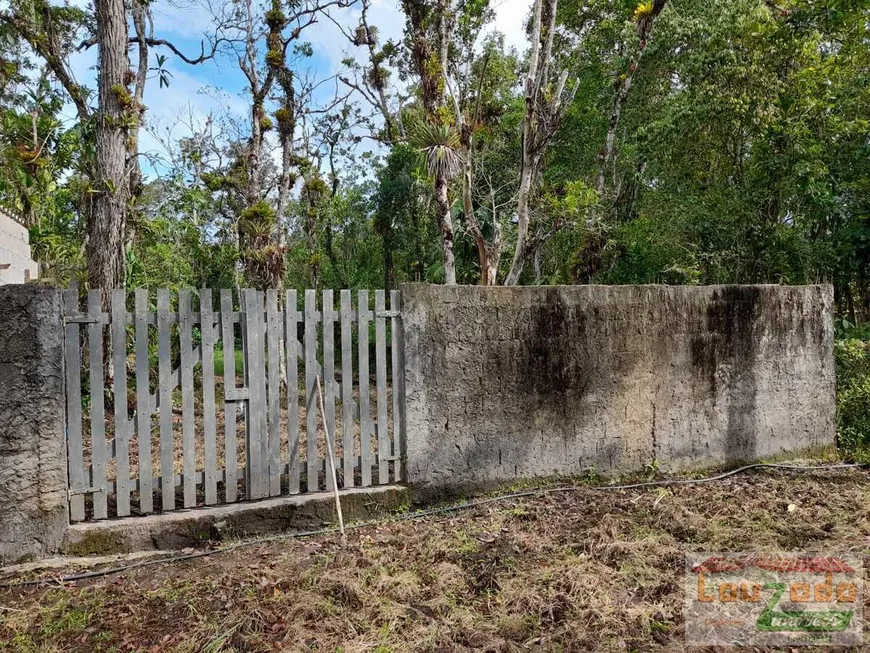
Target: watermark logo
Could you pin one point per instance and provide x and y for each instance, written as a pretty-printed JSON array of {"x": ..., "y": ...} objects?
[{"x": 779, "y": 599}]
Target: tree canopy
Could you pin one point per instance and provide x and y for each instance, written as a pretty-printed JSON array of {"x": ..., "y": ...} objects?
[{"x": 676, "y": 141}]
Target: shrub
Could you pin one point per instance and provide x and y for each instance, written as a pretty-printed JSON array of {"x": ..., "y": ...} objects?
[{"x": 852, "y": 358}]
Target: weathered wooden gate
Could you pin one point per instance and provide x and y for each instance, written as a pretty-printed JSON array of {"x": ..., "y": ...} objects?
[{"x": 159, "y": 406}]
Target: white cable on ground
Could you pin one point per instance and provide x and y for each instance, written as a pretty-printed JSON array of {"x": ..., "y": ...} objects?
[{"x": 419, "y": 514}]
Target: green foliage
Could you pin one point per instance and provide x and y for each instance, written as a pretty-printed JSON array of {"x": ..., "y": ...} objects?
[
  {"x": 402, "y": 218},
  {"x": 438, "y": 144},
  {"x": 276, "y": 19},
  {"x": 263, "y": 258},
  {"x": 174, "y": 247},
  {"x": 283, "y": 116},
  {"x": 853, "y": 397},
  {"x": 739, "y": 158},
  {"x": 122, "y": 93},
  {"x": 56, "y": 241},
  {"x": 275, "y": 58},
  {"x": 741, "y": 154},
  {"x": 315, "y": 186},
  {"x": 257, "y": 221},
  {"x": 239, "y": 357}
]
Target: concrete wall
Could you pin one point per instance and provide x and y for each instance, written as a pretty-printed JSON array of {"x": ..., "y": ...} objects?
[
  {"x": 533, "y": 381},
  {"x": 33, "y": 482},
  {"x": 16, "y": 264}
]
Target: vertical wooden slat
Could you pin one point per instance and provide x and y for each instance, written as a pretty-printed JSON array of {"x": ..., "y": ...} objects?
[
  {"x": 363, "y": 315},
  {"x": 122, "y": 423},
  {"x": 230, "y": 412},
  {"x": 188, "y": 424},
  {"x": 273, "y": 349},
  {"x": 98, "y": 411},
  {"x": 209, "y": 426},
  {"x": 381, "y": 381},
  {"x": 250, "y": 426},
  {"x": 328, "y": 380},
  {"x": 290, "y": 332},
  {"x": 251, "y": 456},
  {"x": 73, "y": 352},
  {"x": 258, "y": 462},
  {"x": 143, "y": 404},
  {"x": 262, "y": 397},
  {"x": 164, "y": 353},
  {"x": 347, "y": 387},
  {"x": 398, "y": 355},
  {"x": 313, "y": 466}
]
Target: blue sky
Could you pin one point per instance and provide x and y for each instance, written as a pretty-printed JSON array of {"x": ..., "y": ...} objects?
[{"x": 216, "y": 87}]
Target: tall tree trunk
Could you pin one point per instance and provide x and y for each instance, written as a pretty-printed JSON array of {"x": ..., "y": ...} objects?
[
  {"x": 488, "y": 253},
  {"x": 312, "y": 197},
  {"x": 608, "y": 155},
  {"x": 428, "y": 40},
  {"x": 540, "y": 121},
  {"x": 495, "y": 244},
  {"x": 254, "y": 152},
  {"x": 445, "y": 224},
  {"x": 139, "y": 10},
  {"x": 286, "y": 117},
  {"x": 520, "y": 251},
  {"x": 531, "y": 99},
  {"x": 105, "y": 251}
]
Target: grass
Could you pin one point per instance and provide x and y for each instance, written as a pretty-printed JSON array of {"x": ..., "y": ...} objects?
[
  {"x": 219, "y": 361},
  {"x": 577, "y": 571}
]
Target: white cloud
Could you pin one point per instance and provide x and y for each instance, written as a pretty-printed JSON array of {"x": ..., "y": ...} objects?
[
  {"x": 190, "y": 20},
  {"x": 185, "y": 104},
  {"x": 510, "y": 20},
  {"x": 331, "y": 44}
]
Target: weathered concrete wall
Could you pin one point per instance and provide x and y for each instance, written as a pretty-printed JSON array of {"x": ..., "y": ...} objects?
[
  {"x": 520, "y": 382},
  {"x": 33, "y": 487}
]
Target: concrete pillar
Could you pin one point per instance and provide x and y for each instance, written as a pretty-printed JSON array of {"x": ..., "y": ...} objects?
[{"x": 34, "y": 513}]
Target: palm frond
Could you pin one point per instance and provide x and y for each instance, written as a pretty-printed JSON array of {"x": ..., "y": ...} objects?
[{"x": 439, "y": 145}]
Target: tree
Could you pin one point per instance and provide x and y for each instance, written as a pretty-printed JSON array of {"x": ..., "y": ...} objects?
[
  {"x": 545, "y": 106},
  {"x": 644, "y": 17},
  {"x": 469, "y": 75},
  {"x": 116, "y": 115},
  {"x": 371, "y": 79},
  {"x": 401, "y": 208},
  {"x": 426, "y": 33},
  {"x": 50, "y": 31},
  {"x": 269, "y": 46}
]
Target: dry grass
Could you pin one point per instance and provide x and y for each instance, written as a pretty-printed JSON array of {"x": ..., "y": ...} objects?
[{"x": 578, "y": 571}]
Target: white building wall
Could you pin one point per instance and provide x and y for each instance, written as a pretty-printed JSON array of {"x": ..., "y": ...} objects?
[{"x": 16, "y": 264}]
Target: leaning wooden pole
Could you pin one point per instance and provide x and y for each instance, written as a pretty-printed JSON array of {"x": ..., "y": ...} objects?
[{"x": 331, "y": 455}]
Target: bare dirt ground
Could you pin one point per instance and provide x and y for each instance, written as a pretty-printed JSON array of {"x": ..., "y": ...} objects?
[{"x": 584, "y": 570}]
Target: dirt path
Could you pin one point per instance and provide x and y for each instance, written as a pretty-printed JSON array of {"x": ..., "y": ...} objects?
[{"x": 579, "y": 571}]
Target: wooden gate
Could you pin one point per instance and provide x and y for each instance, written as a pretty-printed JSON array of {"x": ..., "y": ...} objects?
[{"x": 170, "y": 407}]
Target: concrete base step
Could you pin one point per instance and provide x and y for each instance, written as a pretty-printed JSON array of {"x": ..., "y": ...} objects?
[{"x": 201, "y": 526}]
